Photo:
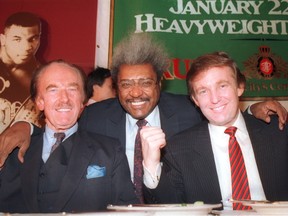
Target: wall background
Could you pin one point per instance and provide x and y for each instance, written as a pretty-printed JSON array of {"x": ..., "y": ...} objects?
[
  {"x": 68, "y": 30},
  {"x": 71, "y": 31}
]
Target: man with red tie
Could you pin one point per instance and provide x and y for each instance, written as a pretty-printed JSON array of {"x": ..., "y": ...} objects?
[{"x": 230, "y": 156}]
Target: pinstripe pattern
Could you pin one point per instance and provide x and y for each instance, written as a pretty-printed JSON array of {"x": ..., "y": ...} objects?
[{"x": 240, "y": 185}]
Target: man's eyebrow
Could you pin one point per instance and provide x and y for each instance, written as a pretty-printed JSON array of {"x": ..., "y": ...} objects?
[
  {"x": 16, "y": 36},
  {"x": 51, "y": 86},
  {"x": 222, "y": 81},
  {"x": 73, "y": 84},
  {"x": 69, "y": 85},
  {"x": 35, "y": 35}
]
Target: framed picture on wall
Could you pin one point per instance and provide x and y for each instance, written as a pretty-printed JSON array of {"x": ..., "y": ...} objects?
[{"x": 35, "y": 32}]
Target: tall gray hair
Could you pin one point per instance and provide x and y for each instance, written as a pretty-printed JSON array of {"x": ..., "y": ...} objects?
[{"x": 139, "y": 49}]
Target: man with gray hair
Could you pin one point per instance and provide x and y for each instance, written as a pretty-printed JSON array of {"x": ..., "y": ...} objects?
[
  {"x": 137, "y": 67},
  {"x": 138, "y": 64},
  {"x": 65, "y": 169}
]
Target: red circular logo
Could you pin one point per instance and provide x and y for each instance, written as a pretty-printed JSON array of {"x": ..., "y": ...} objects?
[{"x": 266, "y": 66}]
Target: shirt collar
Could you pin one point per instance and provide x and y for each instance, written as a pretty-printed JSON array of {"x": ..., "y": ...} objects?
[
  {"x": 49, "y": 133},
  {"x": 154, "y": 115},
  {"x": 239, "y": 123}
]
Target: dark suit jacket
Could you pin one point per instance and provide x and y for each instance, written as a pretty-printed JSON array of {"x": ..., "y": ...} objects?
[
  {"x": 189, "y": 172},
  {"x": 19, "y": 182},
  {"x": 177, "y": 113}
]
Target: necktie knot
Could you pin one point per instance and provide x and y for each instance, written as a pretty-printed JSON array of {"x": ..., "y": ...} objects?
[
  {"x": 141, "y": 123},
  {"x": 59, "y": 137},
  {"x": 231, "y": 131}
]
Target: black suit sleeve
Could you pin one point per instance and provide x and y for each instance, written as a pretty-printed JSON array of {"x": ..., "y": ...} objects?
[
  {"x": 171, "y": 186},
  {"x": 36, "y": 130}
]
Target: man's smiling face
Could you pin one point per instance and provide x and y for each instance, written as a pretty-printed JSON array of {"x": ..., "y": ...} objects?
[{"x": 138, "y": 89}]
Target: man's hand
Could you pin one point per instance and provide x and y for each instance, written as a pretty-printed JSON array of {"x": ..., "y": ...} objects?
[
  {"x": 18, "y": 135},
  {"x": 263, "y": 110},
  {"x": 152, "y": 140}
]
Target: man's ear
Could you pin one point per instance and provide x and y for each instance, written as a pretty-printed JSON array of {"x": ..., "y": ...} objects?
[
  {"x": 95, "y": 88},
  {"x": 160, "y": 83},
  {"x": 240, "y": 89},
  {"x": 40, "y": 103},
  {"x": 194, "y": 99},
  {"x": 2, "y": 39}
]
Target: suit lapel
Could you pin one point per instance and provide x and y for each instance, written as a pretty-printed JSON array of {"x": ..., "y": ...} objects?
[
  {"x": 116, "y": 124},
  {"x": 169, "y": 121},
  {"x": 80, "y": 157},
  {"x": 203, "y": 162},
  {"x": 263, "y": 150},
  {"x": 30, "y": 173}
]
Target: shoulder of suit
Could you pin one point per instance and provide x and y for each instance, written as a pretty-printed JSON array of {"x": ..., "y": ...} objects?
[
  {"x": 103, "y": 104},
  {"x": 174, "y": 96},
  {"x": 38, "y": 133},
  {"x": 171, "y": 99},
  {"x": 103, "y": 108},
  {"x": 192, "y": 131},
  {"x": 271, "y": 129},
  {"x": 98, "y": 138}
]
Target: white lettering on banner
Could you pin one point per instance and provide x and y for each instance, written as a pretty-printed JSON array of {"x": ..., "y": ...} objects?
[
  {"x": 217, "y": 7},
  {"x": 149, "y": 23}
]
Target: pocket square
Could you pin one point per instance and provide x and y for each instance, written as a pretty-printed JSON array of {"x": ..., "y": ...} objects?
[{"x": 94, "y": 171}]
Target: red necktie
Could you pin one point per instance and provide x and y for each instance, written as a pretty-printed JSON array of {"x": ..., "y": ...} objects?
[
  {"x": 240, "y": 185},
  {"x": 138, "y": 168},
  {"x": 59, "y": 138}
]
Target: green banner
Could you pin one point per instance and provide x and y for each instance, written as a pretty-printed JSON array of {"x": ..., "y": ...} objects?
[{"x": 253, "y": 33}]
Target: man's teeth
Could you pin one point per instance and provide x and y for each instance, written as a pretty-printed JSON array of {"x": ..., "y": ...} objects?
[
  {"x": 137, "y": 103},
  {"x": 218, "y": 108},
  {"x": 64, "y": 110}
]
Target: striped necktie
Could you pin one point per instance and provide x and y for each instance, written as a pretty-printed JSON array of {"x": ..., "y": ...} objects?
[{"x": 239, "y": 180}]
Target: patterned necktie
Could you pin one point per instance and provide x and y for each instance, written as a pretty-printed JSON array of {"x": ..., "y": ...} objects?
[
  {"x": 59, "y": 138},
  {"x": 239, "y": 180},
  {"x": 138, "y": 168}
]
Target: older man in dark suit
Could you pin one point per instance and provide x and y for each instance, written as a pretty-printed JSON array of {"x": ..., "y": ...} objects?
[{"x": 65, "y": 169}]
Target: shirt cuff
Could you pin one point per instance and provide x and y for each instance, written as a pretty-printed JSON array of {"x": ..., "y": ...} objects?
[
  {"x": 152, "y": 180},
  {"x": 249, "y": 110}
]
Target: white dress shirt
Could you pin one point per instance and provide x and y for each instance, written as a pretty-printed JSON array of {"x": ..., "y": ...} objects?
[
  {"x": 220, "y": 142},
  {"x": 153, "y": 119},
  {"x": 91, "y": 101}
]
